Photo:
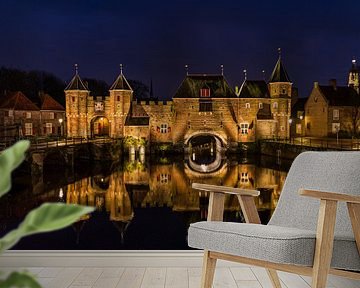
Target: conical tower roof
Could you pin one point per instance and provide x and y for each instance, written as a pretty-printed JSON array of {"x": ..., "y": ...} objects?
[
  {"x": 279, "y": 73},
  {"x": 121, "y": 83},
  {"x": 76, "y": 83}
]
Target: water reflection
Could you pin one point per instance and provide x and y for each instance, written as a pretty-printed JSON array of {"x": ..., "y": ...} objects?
[
  {"x": 205, "y": 154},
  {"x": 142, "y": 204}
]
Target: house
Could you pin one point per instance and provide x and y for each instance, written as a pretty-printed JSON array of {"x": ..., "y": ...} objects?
[
  {"x": 52, "y": 116},
  {"x": 20, "y": 117},
  {"x": 332, "y": 110}
]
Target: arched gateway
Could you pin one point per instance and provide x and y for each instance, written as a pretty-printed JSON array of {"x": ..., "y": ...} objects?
[
  {"x": 205, "y": 152},
  {"x": 99, "y": 126}
]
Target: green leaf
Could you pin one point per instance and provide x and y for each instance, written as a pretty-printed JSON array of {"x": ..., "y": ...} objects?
[
  {"x": 48, "y": 217},
  {"x": 19, "y": 279},
  {"x": 10, "y": 159}
]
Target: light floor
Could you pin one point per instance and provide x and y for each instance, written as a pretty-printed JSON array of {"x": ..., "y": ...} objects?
[{"x": 155, "y": 271}]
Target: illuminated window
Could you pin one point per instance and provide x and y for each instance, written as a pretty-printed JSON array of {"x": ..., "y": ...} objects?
[
  {"x": 205, "y": 106},
  {"x": 336, "y": 114},
  {"x": 247, "y": 105},
  {"x": 244, "y": 128},
  {"x": 261, "y": 106},
  {"x": 298, "y": 128},
  {"x": 48, "y": 128},
  {"x": 28, "y": 115},
  {"x": 275, "y": 105},
  {"x": 51, "y": 115},
  {"x": 163, "y": 128},
  {"x": 204, "y": 92},
  {"x": 28, "y": 129}
]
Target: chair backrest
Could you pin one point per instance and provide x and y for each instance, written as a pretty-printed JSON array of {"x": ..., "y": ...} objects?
[{"x": 324, "y": 171}]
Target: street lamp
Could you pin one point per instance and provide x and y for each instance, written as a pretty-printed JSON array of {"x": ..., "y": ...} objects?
[
  {"x": 290, "y": 121},
  {"x": 61, "y": 128},
  {"x": 337, "y": 128}
]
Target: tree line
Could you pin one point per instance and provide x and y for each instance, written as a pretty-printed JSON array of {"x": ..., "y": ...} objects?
[{"x": 32, "y": 82}]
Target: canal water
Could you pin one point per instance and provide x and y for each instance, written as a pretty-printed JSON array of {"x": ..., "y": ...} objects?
[{"x": 142, "y": 203}]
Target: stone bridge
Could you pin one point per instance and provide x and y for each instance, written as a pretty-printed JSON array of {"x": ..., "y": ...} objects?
[{"x": 66, "y": 153}]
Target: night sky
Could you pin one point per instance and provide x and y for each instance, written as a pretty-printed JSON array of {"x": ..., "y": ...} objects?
[{"x": 155, "y": 39}]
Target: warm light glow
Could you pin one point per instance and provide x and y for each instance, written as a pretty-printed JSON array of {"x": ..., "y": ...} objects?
[
  {"x": 290, "y": 121},
  {"x": 61, "y": 192},
  {"x": 61, "y": 120},
  {"x": 301, "y": 117}
]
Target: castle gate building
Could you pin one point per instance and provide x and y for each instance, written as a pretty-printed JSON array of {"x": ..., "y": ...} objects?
[{"x": 205, "y": 111}]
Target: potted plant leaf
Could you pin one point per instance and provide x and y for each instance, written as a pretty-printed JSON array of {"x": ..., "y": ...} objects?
[{"x": 48, "y": 217}]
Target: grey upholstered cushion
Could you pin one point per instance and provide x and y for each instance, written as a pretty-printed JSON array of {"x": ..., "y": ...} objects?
[
  {"x": 270, "y": 243},
  {"x": 325, "y": 171},
  {"x": 295, "y": 218}
]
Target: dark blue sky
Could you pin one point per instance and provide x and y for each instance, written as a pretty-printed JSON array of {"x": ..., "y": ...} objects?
[{"x": 155, "y": 39}]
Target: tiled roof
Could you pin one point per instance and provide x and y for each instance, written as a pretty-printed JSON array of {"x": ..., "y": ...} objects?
[
  {"x": 279, "y": 73},
  {"x": 264, "y": 113},
  {"x": 49, "y": 103},
  {"x": 18, "y": 101},
  {"x": 340, "y": 95},
  {"x": 254, "y": 89},
  {"x": 76, "y": 84},
  {"x": 137, "y": 110},
  {"x": 121, "y": 83},
  {"x": 190, "y": 87}
]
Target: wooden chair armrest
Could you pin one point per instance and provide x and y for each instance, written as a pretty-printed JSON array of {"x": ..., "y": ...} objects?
[
  {"x": 217, "y": 198},
  {"x": 225, "y": 189},
  {"x": 330, "y": 196},
  {"x": 353, "y": 205}
]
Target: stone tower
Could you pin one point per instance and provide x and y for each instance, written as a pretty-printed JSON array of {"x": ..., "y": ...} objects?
[
  {"x": 280, "y": 88},
  {"x": 76, "y": 97},
  {"x": 120, "y": 103},
  {"x": 354, "y": 76}
]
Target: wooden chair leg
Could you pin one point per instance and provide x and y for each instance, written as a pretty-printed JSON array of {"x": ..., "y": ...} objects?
[
  {"x": 274, "y": 278},
  {"x": 354, "y": 212},
  {"x": 324, "y": 243},
  {"x": 208, "y": 270}
]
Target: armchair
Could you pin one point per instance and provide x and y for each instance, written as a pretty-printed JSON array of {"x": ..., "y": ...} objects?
[{"x": 312, "y": 232}]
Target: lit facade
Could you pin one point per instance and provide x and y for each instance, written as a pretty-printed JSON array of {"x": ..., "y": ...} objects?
[
  {"x": 333, "y": 109},
  {"x": 20, "y": 117},
  {"x": 203, "y": 105}
]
